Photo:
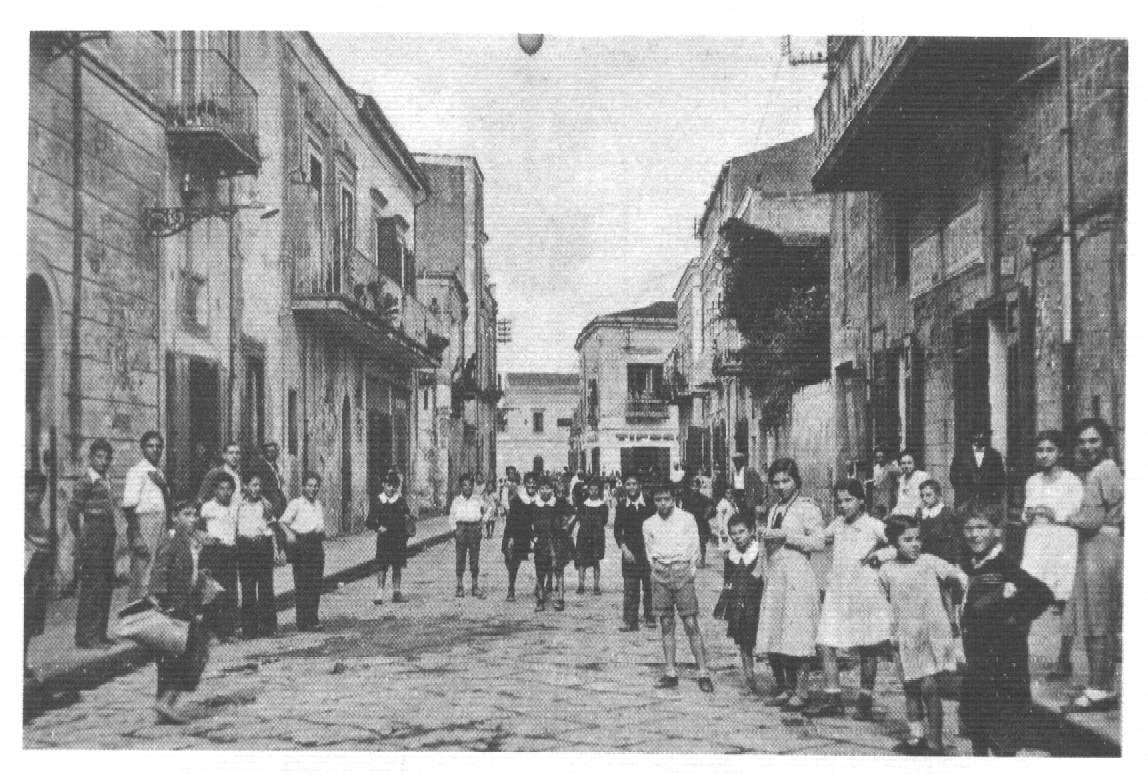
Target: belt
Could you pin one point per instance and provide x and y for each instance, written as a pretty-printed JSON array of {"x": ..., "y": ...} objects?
[
  {"x": 673, "y": 563},
  {"x": 1111, "y": 529}
]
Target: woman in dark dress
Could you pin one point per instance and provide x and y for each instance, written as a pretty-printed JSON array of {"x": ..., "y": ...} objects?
[
  {"x": 519, "y": 528},
  {"x": 591, "y": 544},
  {"x": 742, "y": 592},
  {"x": 388, "y": 515},
  {"x": 553, "y": 521}
]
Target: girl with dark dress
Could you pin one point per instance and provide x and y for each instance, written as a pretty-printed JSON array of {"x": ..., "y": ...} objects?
[
  {"x": 519, "y": 530},
  {"x": 741, "y": 593},
  {"x": 177, "y": 586},
  {"x": 553, "y": 520},
  {"x": 1001, "y": 602},
  {"x": 387, "y": 515},
  {"x": 591, "y": 545}
]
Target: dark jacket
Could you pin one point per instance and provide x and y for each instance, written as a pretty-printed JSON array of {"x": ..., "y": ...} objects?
[
  {"x": 628, "y": 522},
  {"x": 272, "y": 490},
  {"x": 986, "y": 482},
  {"x": 701, "y": 508},
  {"x": 171, "y": 582},
  {"x": 941, "y": 536}
]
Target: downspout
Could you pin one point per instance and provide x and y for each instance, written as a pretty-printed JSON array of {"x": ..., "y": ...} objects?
[
  {"x": 868, "y": 338},
  {"x": 75, "y": 400},
  {"x": 1067, "y": 252}
]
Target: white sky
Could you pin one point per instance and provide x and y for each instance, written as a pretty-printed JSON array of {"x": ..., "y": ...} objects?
[{"x": 598, "y": 154}]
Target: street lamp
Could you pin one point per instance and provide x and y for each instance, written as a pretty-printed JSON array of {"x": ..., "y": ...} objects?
[{"x": 168, "y": 221}]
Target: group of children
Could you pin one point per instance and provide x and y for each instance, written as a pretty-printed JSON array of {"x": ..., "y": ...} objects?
[{"x": 892, "y": 585}]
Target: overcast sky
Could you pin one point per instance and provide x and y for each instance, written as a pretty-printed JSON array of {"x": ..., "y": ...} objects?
[{"x": 598, "y": 154}]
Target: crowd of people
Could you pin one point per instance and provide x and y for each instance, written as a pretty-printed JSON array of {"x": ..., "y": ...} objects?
[{"x": 911, "y": 579}]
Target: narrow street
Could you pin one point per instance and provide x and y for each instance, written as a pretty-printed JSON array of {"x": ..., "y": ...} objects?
[{"x": 442, "y": 673}]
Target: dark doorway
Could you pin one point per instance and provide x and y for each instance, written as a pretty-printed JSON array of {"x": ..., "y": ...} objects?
[
  {"x": 37, "y": 370},
  {"x": 345, "y": 468},
  {"x": 970, "y": 376},
  {"x": 379, "y": 435},
  {"x": 193, "y": 431},
  {"x": 401, "y": 417},
  {"x": 649, "y": 463},
  {"x": 251, "y": 429}
]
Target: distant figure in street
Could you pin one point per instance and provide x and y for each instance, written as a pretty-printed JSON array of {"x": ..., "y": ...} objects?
[
  {"x": 491, "y": 507},
  {"x": 92, "y": 519},
  {"x": 633, "y": 510},
  {"x": 1001, "y": 603},
  {"x": 466, "y": 521},
  {"x": 677, "y": 475},
  {"x": 908, "y": 485},
  {"x": 267, "y": 467},
  {"x": 591, "y": 545},
  {"x": 748, "y": 489},
  {"x": 177, "y": 586},
  {"x": 701, "y": 508},
  {"x": 722, "y": 514},
  {"x": 977, "y": 472},
  {"x": 671, "y": 542},
  {"x": 305, "y": 529},
  {"x": 740, "y": 603},
  {"x": 145, "y": 507},
  {"x": 230, "y": 468},
  {"x": 519, "y": 530},
  {"x": 38, "y": 560},
  {"x": 940, "y": 528},
  {"x": 882, "y": 486},
  {"x": 387, "y": 515},
  {"x": 255, "y": 559}
]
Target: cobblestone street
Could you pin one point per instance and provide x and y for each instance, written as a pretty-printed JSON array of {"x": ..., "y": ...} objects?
[{"x": 442, "y": 673}]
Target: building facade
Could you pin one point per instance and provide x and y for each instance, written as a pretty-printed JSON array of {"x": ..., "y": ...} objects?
[
  {"x": 978, "y": 241},
  {"x": 450, "y": 237},
  {"x": 761, "y": 224},
  {"x": 627, "y": 424},
  {"x": 535, "y": 419},
  {"x": 218, "y": 249}
]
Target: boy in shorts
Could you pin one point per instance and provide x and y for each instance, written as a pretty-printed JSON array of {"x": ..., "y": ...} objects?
[{"x": 671, "y": 539}]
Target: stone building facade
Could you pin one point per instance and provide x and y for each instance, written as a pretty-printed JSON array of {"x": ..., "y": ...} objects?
[
  {"x": 626, "y": 422},
  {"x": 535, "y": 419},
  {"x": 219, "y": 248},
  {"x": 978, "y": 240},
  {"x": 450, "y": 238}
]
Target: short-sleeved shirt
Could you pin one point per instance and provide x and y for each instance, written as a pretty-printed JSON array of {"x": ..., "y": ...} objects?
[
  {"x": 221, "y": 521},
  {"x": 303, "y": 516},
  {"x": 141, "y": 491}
]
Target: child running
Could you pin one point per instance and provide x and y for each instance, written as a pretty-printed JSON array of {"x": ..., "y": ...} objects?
[
  {"x": 792, "y": 532},
  {"x": 922, "y": 631},
  {"x": 591, "y": 544},
  {"x": 1001, "y": 603},
  {"x": 856, "y": 613},
  {"x": 742, "y": 593}
]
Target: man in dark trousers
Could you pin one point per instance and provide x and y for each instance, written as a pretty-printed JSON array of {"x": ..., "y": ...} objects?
[
  {"x": 266, "y": 467},
  {"x": 746, "y": 485},
  {"x": 977, "y": 472},
  {"x": 92, "y": 518},
  {"x": 633, "y": 509}
]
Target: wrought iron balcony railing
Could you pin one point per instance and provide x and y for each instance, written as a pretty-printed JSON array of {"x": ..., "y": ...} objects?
[{"x": 212, "y": 112}]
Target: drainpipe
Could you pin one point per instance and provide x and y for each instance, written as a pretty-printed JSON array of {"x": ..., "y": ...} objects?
[
  {"x": 1067, "y": 256},
  {"x": 75, "y": 400}
]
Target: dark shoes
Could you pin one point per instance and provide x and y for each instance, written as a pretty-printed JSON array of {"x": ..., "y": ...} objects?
[
  {"x": 651, "y": 623},
  {"x": 864, "y": 711},
  {"x": 706, "y": 685},
  {"x": 629, "y": 628},
  {"x": 597, "y": 592},
  {"x": 510, "y": 596},
  {"x": 793, "y": 705},
  {"x": 477, "y": 594},
  {"x": 1083, "y": 703},
  {"x": 579, "y": 590},
  {"x": 665, "y": 681},
  {"x": 460, "y": 592},
  {"x": 776, "y": 699},
  {"x": 829, "y": 706},
  {"x": 399, "y": 598},
  {"x": 1060, "y": 672},
  {"x": 539, "y": 606},
  {"x": 559, "y": 605}
]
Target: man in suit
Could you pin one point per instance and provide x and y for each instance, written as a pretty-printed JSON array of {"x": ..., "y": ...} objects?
[
  {"x": 92, "y": 518},
  {"x": 633, "y": 509},
  {"x": 747, "y": 487},
  {"x": 882, "y": 487},
  {"x": 977, "y": 472}
]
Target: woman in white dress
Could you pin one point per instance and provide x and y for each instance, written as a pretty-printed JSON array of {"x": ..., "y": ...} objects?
[
  {"x": 1051, "y": 496},
  {"x": 787, "y": 629}
]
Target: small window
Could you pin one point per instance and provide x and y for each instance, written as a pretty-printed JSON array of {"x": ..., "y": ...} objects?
[
  {"x": 346, "y": 233},
  {"x": 565, "y": 422},
  {"x": 539, "y": 421},
  {"x": 193, "y": 301},
  {"x": 292, "y": 411},
  {"x": 316, "y": 178}
]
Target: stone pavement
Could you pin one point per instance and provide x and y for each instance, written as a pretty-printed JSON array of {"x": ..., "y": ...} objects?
[{"x": 441, "y": 673}]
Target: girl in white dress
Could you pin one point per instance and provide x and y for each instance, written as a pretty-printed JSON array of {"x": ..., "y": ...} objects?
[
  {"x": 787, "y": 629},
  {"x": 719, "y": 524},
  {"x": 856, "y": 612},
  {"x": 1051, "y": 496}
]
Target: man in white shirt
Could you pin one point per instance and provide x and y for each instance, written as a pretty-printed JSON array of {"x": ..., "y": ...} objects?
[
  {"x": 145, "y": 508},
  {"x": 218, "y": 557},
  {"x": 909, "y": 486},
  {"x": 671, "y": 541},
  {"x": 230, "y": 467},
  {"x": 466, "y": 521},
  {"x": 305, "y": 529}
]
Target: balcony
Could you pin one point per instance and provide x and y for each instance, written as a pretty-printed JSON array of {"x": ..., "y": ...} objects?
[
  {"x": 728, "y": 346},
  {"x": 646, "y": 410},
  {"x": 212, "y": 114},
  {"x": 885, "y": 95},
  {"x": 351, "y": 298}
]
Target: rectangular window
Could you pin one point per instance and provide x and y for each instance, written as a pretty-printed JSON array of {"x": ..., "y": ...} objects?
[
  {"x": 539, "y": 421},
  {"x": 345, "y": 238},
  {"x": 292, "y": 421},
  {"x": 643, "y": 380},
  {"x": 565, "y": 422},
  {"x": 388, "y": 249}
]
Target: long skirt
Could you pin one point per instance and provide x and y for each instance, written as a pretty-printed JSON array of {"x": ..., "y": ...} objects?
[{"x": 791, "y": 605}]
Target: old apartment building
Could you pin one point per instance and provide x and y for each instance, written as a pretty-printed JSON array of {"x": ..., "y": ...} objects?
[
  {"x": 978, "y": 240},
  {"x": 221, "y": 246}
]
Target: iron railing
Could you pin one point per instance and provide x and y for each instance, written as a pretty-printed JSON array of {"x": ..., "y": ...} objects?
[{"x": 209, "y": 93}]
